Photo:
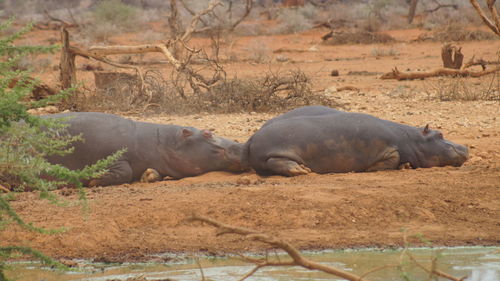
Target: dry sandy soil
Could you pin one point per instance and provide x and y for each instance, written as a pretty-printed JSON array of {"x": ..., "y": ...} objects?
[{"x": 450, "y": 206}]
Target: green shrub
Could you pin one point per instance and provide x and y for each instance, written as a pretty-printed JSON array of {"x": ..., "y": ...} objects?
[{"x": 25, "y": 140}]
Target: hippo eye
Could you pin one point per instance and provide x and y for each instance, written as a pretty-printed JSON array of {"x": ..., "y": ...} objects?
[{"x": 440, "y": 135}]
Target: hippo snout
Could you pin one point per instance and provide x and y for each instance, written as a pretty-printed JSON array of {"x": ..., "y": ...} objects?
[{"x": 461, "y": 154}]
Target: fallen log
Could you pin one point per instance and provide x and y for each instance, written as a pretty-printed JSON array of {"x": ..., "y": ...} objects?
[{"x": 398, "y": 75}]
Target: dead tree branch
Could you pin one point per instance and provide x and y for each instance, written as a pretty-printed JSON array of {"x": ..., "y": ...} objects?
[
  {"x": 396, "y": 74},
  {"x": 481, "y": 62},
  {"x": 494, "y": 24},
  {"x": 440, "y": 6},
  {"x": 297, "y": 258},
  {"x": 248, "y": 8},
  {"x": 196, "y": 18},
  {"x": 233, "y": 25}
]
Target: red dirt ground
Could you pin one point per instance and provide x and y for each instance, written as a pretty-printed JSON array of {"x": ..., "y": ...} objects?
[{"x": 450, "y": 206}]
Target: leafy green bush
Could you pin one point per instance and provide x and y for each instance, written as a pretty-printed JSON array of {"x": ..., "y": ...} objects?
[{"x": 25, "y": 140}]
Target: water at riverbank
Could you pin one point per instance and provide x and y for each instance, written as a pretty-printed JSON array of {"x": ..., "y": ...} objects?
[{"x": 479, "y": 263}]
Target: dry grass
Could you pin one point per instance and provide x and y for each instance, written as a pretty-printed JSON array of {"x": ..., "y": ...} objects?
[
  {"x": 384, "y": 52},
  {"x": 457, "y": 33},
  {"x": 465, "y": 89},
  {"x": 275, "y": 92}
]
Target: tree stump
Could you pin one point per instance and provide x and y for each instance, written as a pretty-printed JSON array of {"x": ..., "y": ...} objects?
[{"x": 452, "y": 56}]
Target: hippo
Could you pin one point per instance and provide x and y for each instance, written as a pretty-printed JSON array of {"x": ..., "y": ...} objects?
[
  {"x": 345, "y": 142},
  {"x": 169, "y": 150}
]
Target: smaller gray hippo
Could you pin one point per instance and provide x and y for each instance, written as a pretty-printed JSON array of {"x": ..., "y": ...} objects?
[
  {"x": 170, "y": 150},
  {"x": 295, "y": 144}
]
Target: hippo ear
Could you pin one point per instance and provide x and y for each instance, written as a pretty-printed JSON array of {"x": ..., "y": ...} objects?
[
  {"x": 426, "y": 130},
  {"x": 207, "y": 134},
  {"x": 186, "y": 133}
]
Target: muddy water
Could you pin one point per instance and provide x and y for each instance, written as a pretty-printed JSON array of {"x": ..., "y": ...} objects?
[{"x": 479, "y": 263}]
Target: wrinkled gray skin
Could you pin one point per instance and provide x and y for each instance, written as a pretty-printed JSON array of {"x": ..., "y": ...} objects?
[
  {"x": 312, "y": 110},
  {"x": 340, "y": 142},
  {"x": 171, "y": 150}
]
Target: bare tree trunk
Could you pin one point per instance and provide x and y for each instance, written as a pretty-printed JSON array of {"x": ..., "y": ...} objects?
[
  {"x": 67, "y": 64},
  {"x": 412, "y": 10}
]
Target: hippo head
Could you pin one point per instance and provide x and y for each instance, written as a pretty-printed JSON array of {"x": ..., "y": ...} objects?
[
  {"x": 434, "y": 150},
  {"x": 199, "y": 151}
]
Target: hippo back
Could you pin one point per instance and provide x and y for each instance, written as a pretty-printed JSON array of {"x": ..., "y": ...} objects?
[{"x": 313, "y": 110}]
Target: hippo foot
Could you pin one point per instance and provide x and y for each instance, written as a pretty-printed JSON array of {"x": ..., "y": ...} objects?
[
  {"x": 287, "y": 167},
  {"x": 150, "y": 175},
  {"x": 93, "y": 183},
  {"x": 405, "y": 166}
]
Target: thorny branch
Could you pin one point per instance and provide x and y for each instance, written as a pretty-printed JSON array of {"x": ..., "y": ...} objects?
[{"x": 483, "y": 63}]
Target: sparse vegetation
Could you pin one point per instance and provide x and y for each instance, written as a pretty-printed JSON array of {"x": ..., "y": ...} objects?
[
  {"x": 111, "y": 17},
  {"x": 259, "y": 51},
  {"x": 457, "y": 33},
  {"x": 117, "y": 13},
  {"x": 293, "y": 20},
  {"x": 274, "y": 92},
  {"x": 384, "y": 52},
  {"x": 463, "y": 89}
]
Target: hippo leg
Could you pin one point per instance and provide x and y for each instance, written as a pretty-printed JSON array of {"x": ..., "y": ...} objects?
[
  {"x": 118, "y": 173},
  {"x": 287, "y": 167},
  {"x": 390, "y": 160}
]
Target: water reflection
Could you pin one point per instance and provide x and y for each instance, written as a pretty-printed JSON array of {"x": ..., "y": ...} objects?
[{"x": 478, "y": 263}]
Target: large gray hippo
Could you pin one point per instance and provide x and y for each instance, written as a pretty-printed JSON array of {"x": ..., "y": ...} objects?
[
  {"x": 317, "y": 141},
  {"x": 171, "y": 150}
]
